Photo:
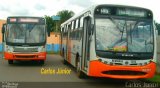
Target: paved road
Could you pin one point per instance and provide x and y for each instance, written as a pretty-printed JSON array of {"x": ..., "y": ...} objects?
[{"x": 31, "y": 72}]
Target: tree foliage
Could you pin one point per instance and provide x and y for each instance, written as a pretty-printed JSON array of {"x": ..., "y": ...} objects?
[
  {"x": 65, "y": 15},
  {"x": 51, "y": 24},
  {"x": 158, "y": 27}
]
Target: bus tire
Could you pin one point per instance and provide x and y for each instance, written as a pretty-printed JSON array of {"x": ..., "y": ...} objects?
[
  {"x": 10, "y": 61},
  {"x": 64, "y": 61},
  {"x": 41, "y": 62},
  {"x": 79, "y": 73}
]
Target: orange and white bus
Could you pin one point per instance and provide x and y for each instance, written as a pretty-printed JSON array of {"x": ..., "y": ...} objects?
[
  {"x": 112, "y": 41},
  {"x": 24, "y": 39}
]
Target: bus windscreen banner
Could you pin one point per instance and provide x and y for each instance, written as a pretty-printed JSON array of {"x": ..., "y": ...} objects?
[
  {"x": 122, "y": 11},
  {"x": 25, "y": 20}
]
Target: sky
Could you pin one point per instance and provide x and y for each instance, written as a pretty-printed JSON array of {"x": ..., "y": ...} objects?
[{"x": 51, "y": 7}]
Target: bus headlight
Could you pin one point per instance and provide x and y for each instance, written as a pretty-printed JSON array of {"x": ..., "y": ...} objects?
[
  {"x": 42, "y": 49},
  {"x": 105, "y": 62},
  {"x": 8, "y": 48},
  {"x": 140, "y": 64}
]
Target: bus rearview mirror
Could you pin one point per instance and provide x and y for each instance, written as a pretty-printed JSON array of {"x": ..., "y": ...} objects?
[
  {"x": 91, "y": 29},
  {"x": 48, "y": 30},
  {"x": 3, "y": 28},
  {"x": 48, "y": 33}
]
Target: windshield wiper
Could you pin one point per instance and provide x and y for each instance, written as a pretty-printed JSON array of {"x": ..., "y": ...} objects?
[
  {"x": 130, "y": 33},
  {"x": 134, "y": 27},
  {"x": 122, "y": 31},
  {"x": 30, "y": 27}
]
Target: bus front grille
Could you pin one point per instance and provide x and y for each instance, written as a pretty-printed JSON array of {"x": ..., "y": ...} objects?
[
  {"x": 25, "y": 56},
  {"x": 22, "y": 49},
  {"x": 123, "y": 72}
]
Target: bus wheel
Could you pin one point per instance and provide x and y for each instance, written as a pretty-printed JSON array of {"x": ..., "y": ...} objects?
[
  {"x": 41, "y": 62},
  {"x": 64, "y": 61},
  {"x": 10, "y": 61},
  {"x": 80, "y": 74}
]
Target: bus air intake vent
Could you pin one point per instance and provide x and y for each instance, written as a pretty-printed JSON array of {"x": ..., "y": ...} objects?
[
  {"x": 22, "y": 49},
  {"x": 25, "y": 56},
  {"x": 123, "y": 72}
]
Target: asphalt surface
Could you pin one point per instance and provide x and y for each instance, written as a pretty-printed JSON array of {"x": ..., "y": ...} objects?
[{"x": 29, "y": 74}]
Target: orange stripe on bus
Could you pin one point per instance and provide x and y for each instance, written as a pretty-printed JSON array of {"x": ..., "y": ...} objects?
[
  {"x": 97, "y": 68},
  {"x": 22, "y": 56}
]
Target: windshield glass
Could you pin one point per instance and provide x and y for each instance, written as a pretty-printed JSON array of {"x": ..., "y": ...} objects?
[
  {"x": 25, "y": 33},
  {"x": 122, "y": 35}
]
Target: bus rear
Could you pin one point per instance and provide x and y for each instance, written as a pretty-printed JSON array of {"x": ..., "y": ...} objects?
[
  {"x": 124, "y": 44},
  {"x": 25, "y": 39}
]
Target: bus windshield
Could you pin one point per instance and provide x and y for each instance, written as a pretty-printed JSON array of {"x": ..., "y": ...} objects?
[
  {"x": 25, "y": 33},
  {"x": 124, "y": 35}
]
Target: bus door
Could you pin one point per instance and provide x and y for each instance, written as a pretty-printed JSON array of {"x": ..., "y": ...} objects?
[{"x": 85, "y": 44}]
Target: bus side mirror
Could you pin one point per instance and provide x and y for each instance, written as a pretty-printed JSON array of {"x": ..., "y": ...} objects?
[
  {"x": 91, "y": 29},
  {"x": 90, "y": 26},
  {"x": 3, "y": 28},
  {"x": 48, "y": 31}
]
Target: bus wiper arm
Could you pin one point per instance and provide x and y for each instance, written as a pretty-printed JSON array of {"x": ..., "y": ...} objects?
[
  {"x": 115, "y": 23},
  {"x": 122, "y": 31}
]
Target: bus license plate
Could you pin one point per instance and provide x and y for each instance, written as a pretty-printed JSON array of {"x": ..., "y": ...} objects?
[
  {"x": 133, "y": 62},
  {"x": 117, "y": 61}
]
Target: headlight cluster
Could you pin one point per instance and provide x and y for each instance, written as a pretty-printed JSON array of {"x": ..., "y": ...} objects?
[
  {"x": 8, "y": 48},
  {"x": 42, "y": 49}
]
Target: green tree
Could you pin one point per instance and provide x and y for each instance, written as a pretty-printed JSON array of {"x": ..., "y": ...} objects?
[
  {"x": 158, "y": 27},
  {"x": 50, "y": 23},
  {"x": 64, "y": 15}
]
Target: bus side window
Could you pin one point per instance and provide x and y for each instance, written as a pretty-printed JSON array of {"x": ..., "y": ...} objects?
[
  {"x": 66, "y": 29},
  {"x": 81, "y": 22},
  {"x": 76, "y": 31},
  {"x": 64, "y": 32},
  {"x": 72, "y": 29},
  {"x": 69, "y": 29},
  {"x": 81, "y": 27},
  {"x": 77, "y": 22}
]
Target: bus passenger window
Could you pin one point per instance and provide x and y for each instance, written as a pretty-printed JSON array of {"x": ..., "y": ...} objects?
[{"x": 81, "y": 22}]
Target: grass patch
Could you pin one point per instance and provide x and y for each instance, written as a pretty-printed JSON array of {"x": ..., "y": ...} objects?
[
  {"x": 156, "y": 78},
  {"x": 52, "y": 52}
]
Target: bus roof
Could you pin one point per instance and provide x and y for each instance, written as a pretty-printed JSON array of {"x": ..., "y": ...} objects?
[
  {"x": 91, "y": 9},
  {"x": 24, "y": 17}
]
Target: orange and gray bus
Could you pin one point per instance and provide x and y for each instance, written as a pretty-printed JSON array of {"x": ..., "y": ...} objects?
[
  {"x": 113, "y": 41},
  {"x": 24, "y": 38}
]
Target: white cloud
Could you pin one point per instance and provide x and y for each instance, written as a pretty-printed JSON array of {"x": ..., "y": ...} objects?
[
  {"x": 81, "y": 3},
  {"x": 39, "y": 7},
  {"x": 51, "y": 7}
]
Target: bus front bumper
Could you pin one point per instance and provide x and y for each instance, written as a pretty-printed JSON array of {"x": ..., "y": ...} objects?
[
  {"x": 25, "y": 56},
  {"x": 99, "y": 69}
]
